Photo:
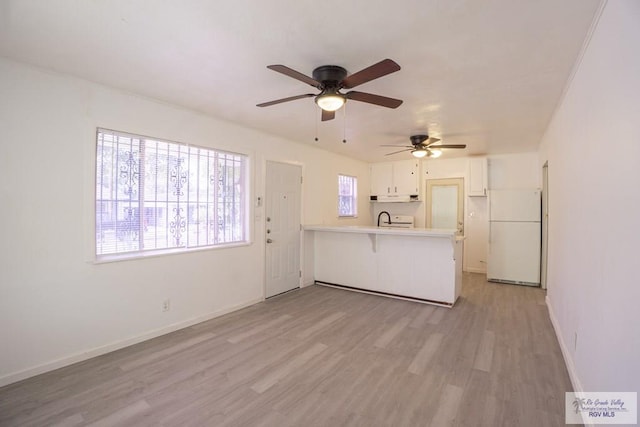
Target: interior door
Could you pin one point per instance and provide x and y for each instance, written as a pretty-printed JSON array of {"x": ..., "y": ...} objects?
[
  {"x": 282, "y": 227},
  {"x": 445, "y": 204}
]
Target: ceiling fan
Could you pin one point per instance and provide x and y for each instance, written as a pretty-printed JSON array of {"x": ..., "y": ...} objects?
[
  {"x": 424, "y": 146},
  {"x": 330, "y": 79}
]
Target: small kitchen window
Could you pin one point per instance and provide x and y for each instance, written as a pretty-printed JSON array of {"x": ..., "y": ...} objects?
[{"x": 347, "y": 196}]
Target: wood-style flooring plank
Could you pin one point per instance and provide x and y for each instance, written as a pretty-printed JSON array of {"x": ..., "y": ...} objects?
[
  {"x": 122, "y": 416},
  {"x": 485, "y": 352},
  {"x": 273, "y": 377},
  {"x": 422, "y": 316},
  {"x": 422, "y": 359},
  {"x": 70, "y": 421},
  {"x": 322, "y": 324},
  {"x": 140, "y": 361},
  {"x": 437, "y": 315},
  {"x": 447, "y": 406},
  {"x": 391, "y": 333},
  {"x": 258, "y": 329}
]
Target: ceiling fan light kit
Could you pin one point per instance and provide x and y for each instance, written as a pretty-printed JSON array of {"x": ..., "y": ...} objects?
[
  {"x": 330, "y": 101},
  {"x": 425, "y": 152},
  {"x": 419, "y": 153},
  {"x": 330, "y": 79}
]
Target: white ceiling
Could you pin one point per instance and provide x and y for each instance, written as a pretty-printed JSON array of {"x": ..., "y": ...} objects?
[{"x": 483, "y": 73}]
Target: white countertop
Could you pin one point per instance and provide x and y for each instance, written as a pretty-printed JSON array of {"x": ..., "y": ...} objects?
[{"x": 422, "y": 232}]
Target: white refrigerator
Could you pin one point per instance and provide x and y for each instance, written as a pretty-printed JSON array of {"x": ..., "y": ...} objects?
[{"x": 514, "y": 237}]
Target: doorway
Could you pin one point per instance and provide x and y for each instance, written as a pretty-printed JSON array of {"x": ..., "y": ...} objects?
[
  {"x": 545, "y": 225},
  {"x": 445, "y": 204},
  {"x": 282, "y": 227}
]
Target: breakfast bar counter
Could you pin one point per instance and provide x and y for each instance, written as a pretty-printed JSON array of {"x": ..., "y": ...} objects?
[{"x": 418, "y": 264}]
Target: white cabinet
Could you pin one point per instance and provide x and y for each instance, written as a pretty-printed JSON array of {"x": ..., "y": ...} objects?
[
  {"x": 381, "y": 178},
  {"x": 478, "y": 176},
  {"x": 405, "y": 177},
  {"x": 395, "y": 179}
]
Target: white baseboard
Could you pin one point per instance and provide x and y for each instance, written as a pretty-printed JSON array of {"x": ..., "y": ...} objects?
[
  {"x": 98, "y": 351},
  {"x": 568, "y": 360}
]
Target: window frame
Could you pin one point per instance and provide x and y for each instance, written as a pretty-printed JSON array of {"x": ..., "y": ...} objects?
[
  {"x": 354, "y": 195},
  {"x": 244, "y": 199}
]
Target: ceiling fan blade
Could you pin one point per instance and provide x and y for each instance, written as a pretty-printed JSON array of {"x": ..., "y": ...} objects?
[
  {"x": 447, "y": 146},
  {"x": 406, "y": 146},
  {"x": 328, "y": 115},
  {"x": 278, "y": 101},
  {"x": 294, "y": 74},
  {"x": 432, "y": 141},
  {"x": 396, "y": 152},
  {"x": 382, "y": 68},
  {"x": 383, "y": 101}
]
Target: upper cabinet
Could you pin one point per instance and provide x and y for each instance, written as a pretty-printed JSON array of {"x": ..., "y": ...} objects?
[
  {"x": 395, "y": 181},
  {"x": 478, "y": 176},
  {"x": 381, "y": 178}
]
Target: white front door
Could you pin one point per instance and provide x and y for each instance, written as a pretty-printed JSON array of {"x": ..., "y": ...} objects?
[{"x": 282, "y": 227}]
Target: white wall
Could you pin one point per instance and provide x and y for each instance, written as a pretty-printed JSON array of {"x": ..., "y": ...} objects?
[
  {"x": 56, "y": 305},
  {"x": 593, "y": 150},
  {"x": 506, "y": 171}
]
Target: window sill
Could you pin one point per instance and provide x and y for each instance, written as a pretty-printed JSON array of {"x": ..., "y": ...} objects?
[{"x": 131, "y": 256}]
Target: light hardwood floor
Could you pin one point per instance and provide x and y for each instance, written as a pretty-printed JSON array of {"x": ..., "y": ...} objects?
[{"x": 321, "y": 356}]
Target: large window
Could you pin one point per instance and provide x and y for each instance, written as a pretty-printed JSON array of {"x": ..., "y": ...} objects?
[
  {"x": 157, "y": 195},
  {"x": 347, "y": 196}
]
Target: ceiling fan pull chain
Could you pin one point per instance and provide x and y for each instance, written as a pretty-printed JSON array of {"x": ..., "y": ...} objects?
[
  {"x": 344, "y": 124},
  {"x": 316, "y": 120}
]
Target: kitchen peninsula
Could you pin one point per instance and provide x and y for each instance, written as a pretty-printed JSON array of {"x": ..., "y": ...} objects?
[{"x": 418, "y": 264}]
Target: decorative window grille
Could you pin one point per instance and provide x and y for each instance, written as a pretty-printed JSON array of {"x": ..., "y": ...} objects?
[
  {"x": 347, "y": 196},
  {"x": 157, "y": 195}
]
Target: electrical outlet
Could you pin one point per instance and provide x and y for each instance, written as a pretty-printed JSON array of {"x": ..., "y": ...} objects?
[{"x": 166, "y": 305}]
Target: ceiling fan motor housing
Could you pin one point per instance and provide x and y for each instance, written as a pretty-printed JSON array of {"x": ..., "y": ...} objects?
[
  {"x": 329, "y": 75},
  {"x": 418, "y": 139}
]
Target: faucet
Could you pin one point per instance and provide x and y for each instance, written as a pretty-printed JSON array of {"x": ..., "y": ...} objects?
[{"x": 388, "y": 216}]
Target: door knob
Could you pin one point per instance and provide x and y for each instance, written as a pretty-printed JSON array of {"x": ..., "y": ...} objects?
[{"x": 269, "y": 241}]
